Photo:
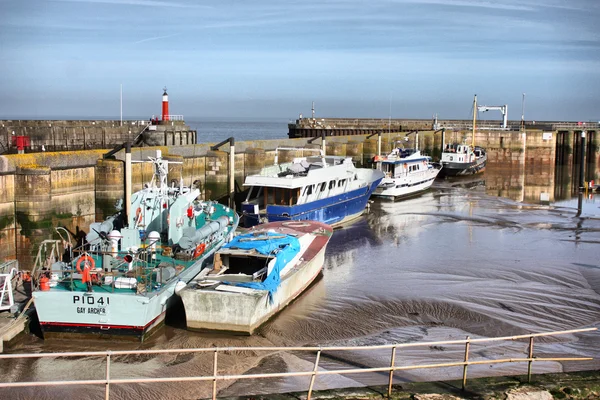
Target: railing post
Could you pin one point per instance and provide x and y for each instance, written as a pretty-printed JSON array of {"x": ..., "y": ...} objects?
[
  {"x": 464, "y": 380},
  {"x": 314, "y": 375},
  {"x": 107, "y": 387},
  {"x": 214, "y": 391},
  {"x": 530, "y": 359},
  {"x": 391, "y": 372}
]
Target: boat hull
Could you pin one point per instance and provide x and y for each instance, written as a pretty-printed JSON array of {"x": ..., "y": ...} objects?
[
  {"x": 106, "y": 315},
  {"x": 463, "y": 168},
  {"x": 243, "y": 312},
  {"x": 334, "y": 211}
]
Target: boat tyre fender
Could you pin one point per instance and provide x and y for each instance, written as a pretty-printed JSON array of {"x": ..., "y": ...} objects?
[
  {"x": 89, "y": 260},
  {"x": 199, "y": 250}
]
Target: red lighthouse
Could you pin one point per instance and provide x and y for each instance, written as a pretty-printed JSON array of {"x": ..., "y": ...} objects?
[{"x": 165, "y": 105}]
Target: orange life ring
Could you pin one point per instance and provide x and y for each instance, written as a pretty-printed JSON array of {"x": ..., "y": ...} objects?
[
  {"x": 88, "y": 259},
  {"x": 199, "y": 250}
]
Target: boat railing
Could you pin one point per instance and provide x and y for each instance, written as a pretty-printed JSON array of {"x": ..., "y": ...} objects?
[
  {"x": 49, "y": 253},
  {"x": 465, "y": 350}
]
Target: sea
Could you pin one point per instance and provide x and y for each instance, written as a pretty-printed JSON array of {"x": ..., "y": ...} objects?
[
  {"x": 212, "y": 130},
  {"x": 512, "y": 251}
]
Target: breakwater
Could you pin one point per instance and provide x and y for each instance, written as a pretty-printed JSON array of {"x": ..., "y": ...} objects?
[
  {"x": 75, "y": 188},
  {"x": 68, "y": 135},
  {"x": 314, "y": 127}
]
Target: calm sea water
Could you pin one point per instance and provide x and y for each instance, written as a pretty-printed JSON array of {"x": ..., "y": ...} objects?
[{"x": 215, "y": 130}]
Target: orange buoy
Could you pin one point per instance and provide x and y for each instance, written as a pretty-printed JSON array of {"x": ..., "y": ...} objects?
[
  {"x": 44, "y": 283},
  {"x": 199, "y": 250}
]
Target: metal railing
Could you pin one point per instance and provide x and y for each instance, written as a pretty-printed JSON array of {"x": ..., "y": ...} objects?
[
  {"x": 313, "y": 373},
  {"x": 173, "y": 118},
  {"x": 578, "y": 126}
]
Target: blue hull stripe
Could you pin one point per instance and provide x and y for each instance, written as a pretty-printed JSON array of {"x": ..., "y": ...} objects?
[{"x": 330, "y": 210}]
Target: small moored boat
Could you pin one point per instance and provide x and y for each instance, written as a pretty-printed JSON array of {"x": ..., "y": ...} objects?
[
  {"x": 407, "y": 173},
  {"x": 256, "y": 275},
  {"x": 462, "y": 159},
  {"x": 121, "y": 281}
]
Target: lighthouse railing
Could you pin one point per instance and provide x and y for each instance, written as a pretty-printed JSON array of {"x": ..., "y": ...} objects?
[{"x": 173, "y": 117}]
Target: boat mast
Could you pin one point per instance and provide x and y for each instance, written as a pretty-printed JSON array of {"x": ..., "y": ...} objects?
[{"x": 474, "y": 120}]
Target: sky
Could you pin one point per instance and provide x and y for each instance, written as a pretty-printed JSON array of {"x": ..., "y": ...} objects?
[{"x": 273, "y": 58}]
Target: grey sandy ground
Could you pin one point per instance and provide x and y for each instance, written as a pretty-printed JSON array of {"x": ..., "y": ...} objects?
[{"x": 574, "y": 385}]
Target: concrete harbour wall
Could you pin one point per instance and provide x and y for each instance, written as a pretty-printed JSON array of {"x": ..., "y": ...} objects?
[
  {"x": 39, "y": 191},
  {"x": 68, "y": 135}
]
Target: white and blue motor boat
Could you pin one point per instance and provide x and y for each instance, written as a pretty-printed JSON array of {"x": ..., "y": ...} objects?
[
  {"x": 328, "y": 189},
  {"x": 407, "y": 173}
]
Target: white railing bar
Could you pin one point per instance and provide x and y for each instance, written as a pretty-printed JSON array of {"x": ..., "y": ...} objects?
[
  {"x": 312, "y": 349},
  {"x": 287, "y": 374},
  {"x": 107, "y": 383}
]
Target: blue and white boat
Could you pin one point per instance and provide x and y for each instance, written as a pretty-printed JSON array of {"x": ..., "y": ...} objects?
[
  {"x": 407, "y": 173},
  {"x": 120, "y": 282},
  {"x": 328, "y": 189}
]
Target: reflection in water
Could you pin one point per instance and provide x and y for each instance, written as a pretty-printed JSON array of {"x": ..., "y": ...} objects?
[{"x": 456, "y": 261}]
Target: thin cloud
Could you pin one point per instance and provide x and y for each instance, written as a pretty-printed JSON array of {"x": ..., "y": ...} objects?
[
  {"x": 472, "y": 3},
  {"x": 143, "y": 3},
  {"x": 156, "y": 38}
]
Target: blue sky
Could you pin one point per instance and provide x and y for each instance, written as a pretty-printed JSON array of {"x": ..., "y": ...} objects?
[{"x": 67, "y": 58}]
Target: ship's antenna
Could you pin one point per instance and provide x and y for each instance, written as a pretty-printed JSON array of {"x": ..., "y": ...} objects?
[{"x": 390, "y": 120}]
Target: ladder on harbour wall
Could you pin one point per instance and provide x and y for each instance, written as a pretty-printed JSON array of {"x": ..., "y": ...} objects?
[{"x": 9, "y": 271}]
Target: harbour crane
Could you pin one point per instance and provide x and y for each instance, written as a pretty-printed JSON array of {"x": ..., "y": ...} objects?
[{"x": 503, "y": 109}]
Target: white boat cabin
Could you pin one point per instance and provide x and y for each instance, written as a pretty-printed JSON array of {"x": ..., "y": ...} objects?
[
  {"x": 304, "y": 180},
  {"x": 455, "y": 152},
  {"x": 402, "y": 169}
]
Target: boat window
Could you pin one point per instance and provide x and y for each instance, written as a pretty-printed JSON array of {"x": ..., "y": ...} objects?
[
  {"x": 331, "y": 185},
  {"x": 341, "y": 182},
  {"x": 308, "y": 190},
  {"x": 270, "y": 196},
  {"x": 255, "y": 194},
  {"x": 280, "y": 197},
  {"x": 323, "y": 186},
  {"x": 288, "y": 197}
]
